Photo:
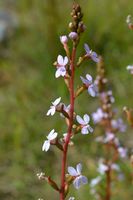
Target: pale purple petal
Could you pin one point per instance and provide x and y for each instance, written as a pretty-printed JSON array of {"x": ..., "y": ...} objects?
[
  {"x": 94, "y": 57},
  {"x": 77, "y": 183},
  {"x": 79, "y": 168},
  {"x": 58, "y": 73},
  {"x": 65, "y": 60},
  {"x": 57, "y": 101},
  {"x": 84, "y": 130},
  {"x": 89, "y": 78},
  {"x": 90, "y": 129},
  {"x": 60, "y": 60},
  {"x": 62, "y": 71},
  {"x": 91, "y": 91},
  {"x": 46, "y": 145},
  {"x": 84, "y": 179},
  {"x": 80, "y": 120},
  {"x": 87, "y": 48},
  {"x": 86, "y": 118},
  {"x": 85, "y": 81},
  {"x": 72, "y": 171}
]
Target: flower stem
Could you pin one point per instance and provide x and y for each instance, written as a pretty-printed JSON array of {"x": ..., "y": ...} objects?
[{"x": 69, "y": 132}]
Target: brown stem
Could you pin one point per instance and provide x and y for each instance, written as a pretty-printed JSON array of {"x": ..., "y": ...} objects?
[
  {"x": 108, "y": 184},
  {"x": 69, "y": 132}
]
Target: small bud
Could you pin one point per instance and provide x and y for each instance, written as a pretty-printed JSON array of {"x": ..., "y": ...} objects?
[
  {"x": 64, "y": 39},
  {"x": 73, "y": 36}
]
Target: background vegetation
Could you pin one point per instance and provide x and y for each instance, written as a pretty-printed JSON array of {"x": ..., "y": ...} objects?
[{"x": 27, "y": 86}]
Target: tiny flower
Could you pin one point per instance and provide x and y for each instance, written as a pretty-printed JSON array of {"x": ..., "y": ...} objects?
[
  {"x": 63, "y": 39},
  {"x": 84, "y": 122},
  {"x": 51, "y": 136},
  {"x": 119, "y": 125},
  {"x": 109, "y": 137},
  {"x": 115, "y": 167},
  {"x": 93, "y": 55},
  {"x": 61, "y": 63},
  {"x": 92, "y": 89},
  {"x": 99, "y": 115},
  {"x": 95, "y": 181},
  {"x": 102, "y": 168},
  {"x": 130, "y": 68},
  {"x": 79, "y": 178},
  {"x": 52, "y": 109},
  {"x": 41, "y": 175},
  {"x": 122, "y": 152},
  {"x": 73, "y": 35}
]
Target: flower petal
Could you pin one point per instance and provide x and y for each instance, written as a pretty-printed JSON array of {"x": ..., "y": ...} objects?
[
  {"x": 80, "y": 120},
  {"x": 65, "y": 60},
  {"x": 46, "y": 145},
  {"x": 84, "y": 179},
  {"x": 58, "y": 73},
  {"x": 52, "y": 135},
  {"x": 84, "y": 130},
  {"x": 91, "y": 90},
  {"x": 86, "y": 118},
  {"x": 57, "y": 101},
  {"x": 60, "y": 60},
  {"x": 89, "y": 78},
  {"x": 72, "y": 171},
  {"x": 84, "y": 80},
  {"x": 62, "y": 71},
  {"x": 77, "y": 183},
  {"x": 79, "y": 168},
  {"x": 87, "y": 48}
]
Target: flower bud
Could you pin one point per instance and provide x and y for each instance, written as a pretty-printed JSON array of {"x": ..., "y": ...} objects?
[
  {"x": 73, "y": 36},
  {"x": 63, "y": 39}
]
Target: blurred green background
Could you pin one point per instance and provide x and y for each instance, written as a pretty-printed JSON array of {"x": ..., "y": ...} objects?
[{"x": 29, "y": 44}]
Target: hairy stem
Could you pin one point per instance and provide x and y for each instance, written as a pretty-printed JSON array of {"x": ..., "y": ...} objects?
[{"x": 69, "y": 132}]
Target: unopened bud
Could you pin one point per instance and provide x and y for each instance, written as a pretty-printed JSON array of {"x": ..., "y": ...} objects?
[
  {"x": 73, "y": 36},
  {"x": 64, "y": 39}
]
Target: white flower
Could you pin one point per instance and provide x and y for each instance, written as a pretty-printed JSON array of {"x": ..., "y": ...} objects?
[
  {"x": 130, "y": 68},
  {"x": 41, "y": 175},
  {"x": 92, "y": 88},
  {"x": 85, "y": 127},
  {"x": 51, "y": 136},
  {"x": 79, "y": 178},
  {"x": 52, "y": 109},
  {"x": 71, "y": 198},
  {"x": 95, "y": 181},
  {"x": 61, "y": 69}
]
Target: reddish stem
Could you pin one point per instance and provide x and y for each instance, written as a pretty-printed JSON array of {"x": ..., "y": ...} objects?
[
  {"x": 69, "y": 132},
  {"x": 108, "y": 184}
]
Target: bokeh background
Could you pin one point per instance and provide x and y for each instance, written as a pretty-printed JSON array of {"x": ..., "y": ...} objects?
[{"x": 29, "y": 44}]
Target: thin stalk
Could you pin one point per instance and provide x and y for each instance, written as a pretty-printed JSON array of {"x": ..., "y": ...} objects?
[{"x": 69, "y": 132}]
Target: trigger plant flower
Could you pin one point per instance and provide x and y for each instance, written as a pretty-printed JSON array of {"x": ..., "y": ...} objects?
[
  {"x": 52, "y": 109},
  {"x": 51, "y": 136},
  {"x": 91, "y": 54},
  {"x": 71, "y": 198},
  {"x": 61, "y": 66},
  {"x": 84, "y": 122},
  {"x": 92, "y": 89},
  {"x": 79, "y": 179}
]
